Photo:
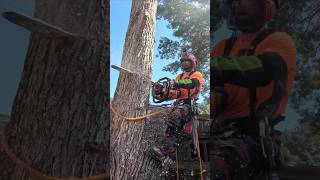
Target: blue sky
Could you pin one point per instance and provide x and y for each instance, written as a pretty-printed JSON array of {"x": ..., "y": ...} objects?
[
  {"x": 14, "y": 43},
  {"x": 13, "y": 49},
  {"x": 119, "y": 19}
]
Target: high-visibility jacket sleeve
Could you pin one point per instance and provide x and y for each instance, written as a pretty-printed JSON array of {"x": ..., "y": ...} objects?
[
  {"x": 194, "y": 82},
  {"x": 274, "y": 57},
  {"x": 248, "y": 71},
  {"x": 187, "y": 87}
]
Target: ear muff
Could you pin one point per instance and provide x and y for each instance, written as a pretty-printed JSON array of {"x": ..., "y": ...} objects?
[{"x": 270, "y": 10}]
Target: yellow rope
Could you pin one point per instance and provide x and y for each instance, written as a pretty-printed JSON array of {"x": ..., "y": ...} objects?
[
  {"x": 139, "y": 118},
  {"x": 199, "y": 156},
  {"x": 37, "y": 174},
  {"x": 177, "y": 165}
]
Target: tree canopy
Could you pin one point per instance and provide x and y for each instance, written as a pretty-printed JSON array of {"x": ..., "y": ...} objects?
[
  {"x": 301, "y": 20},
  {"x": 190, "y": 22}
]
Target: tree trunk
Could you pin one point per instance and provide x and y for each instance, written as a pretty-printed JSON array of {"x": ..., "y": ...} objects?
[
  {"x": 128, "y": 157},
  {"x": 59, "y": 122}
]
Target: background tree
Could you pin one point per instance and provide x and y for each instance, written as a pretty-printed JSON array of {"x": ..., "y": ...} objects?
[
  {"x": 301, "y": 20},
  {"x": 128, "y": 139},
  {"x": 302, "y": 146},
  {"x": 59, "y": 123},
  {"x": 190, "y": 22}
]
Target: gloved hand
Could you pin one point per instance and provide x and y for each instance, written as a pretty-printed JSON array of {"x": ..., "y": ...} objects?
[
  {"x": 158, "y": 89},
  {"x": 173, "y": 84}
]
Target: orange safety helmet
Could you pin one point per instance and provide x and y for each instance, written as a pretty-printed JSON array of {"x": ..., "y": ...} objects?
[
  {"x": 271, "y": 8},
  {"x": 190, "y": 57}
]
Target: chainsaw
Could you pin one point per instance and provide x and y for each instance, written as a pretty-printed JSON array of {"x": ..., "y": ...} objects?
[{"x": 159, "y": 89}]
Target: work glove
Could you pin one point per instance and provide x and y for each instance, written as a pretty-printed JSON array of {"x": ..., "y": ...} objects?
[
  {"x": 158, "y": 89},
  {"x": 173, "y": 84}
]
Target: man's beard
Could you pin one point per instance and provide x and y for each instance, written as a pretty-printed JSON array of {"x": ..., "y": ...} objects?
[
  {"x": 189, "y": 69},
  {"x": 249, "y": 24}
]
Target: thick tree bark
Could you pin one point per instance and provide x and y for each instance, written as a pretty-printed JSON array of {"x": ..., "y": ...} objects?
[
  {"x": 128, "y": 157},
  {"x": 59, "y": 122}
]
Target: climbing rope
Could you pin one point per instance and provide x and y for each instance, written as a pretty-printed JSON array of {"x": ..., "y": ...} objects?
[
  {"x": 37, "y": 174},
  {"x": 202, "y": 170},
  {"x": 177, "y": 165},
  {"x": 200, "y": 160},
  {"x": 138, "y": 118}
]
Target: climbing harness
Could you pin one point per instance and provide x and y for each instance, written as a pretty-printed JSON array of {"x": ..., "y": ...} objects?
[
  {"x": 161, "y": 91},
  {"x": 264, "y": 123}
]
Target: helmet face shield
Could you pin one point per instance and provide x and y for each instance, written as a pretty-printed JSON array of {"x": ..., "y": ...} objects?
[
  {"x": 185, "y": 59},
  {"x": 186, "y": 64}
]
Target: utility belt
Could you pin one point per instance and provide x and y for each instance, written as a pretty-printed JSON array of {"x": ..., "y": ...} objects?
[
  {"x": 270, "y": 141},
  {"x": 191, "y": 102},
  {"x": 261, "y": 131},
  {"x": 245, "y": 125}
]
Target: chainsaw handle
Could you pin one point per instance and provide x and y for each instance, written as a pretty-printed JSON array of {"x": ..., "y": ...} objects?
[{"x": 165, "y": 84}]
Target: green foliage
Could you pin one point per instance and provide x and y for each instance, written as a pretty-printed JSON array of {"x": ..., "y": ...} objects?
[
  {"x": 204, "y": 108},
  {"x": 302, "y": 147},
  {"x": 301, "y": 20},
  {"x": 190, "y": 21}
]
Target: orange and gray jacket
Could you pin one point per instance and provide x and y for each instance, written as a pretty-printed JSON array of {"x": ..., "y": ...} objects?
[
  {"x": 273, "y": 63},
  {"x": 188, "y": 84}
]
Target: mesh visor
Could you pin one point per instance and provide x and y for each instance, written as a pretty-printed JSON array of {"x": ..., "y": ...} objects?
[{"x": 185, "y": 59}]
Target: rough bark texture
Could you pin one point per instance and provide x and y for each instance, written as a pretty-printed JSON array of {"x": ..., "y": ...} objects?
[
  {"x": 59, "y": 122},
  {"x": 128, "y": 145}
]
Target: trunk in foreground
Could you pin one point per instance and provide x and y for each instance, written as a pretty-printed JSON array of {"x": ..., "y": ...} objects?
[
  {"x": 59, "y": 122},
  {"x": 128, "y": 145}
]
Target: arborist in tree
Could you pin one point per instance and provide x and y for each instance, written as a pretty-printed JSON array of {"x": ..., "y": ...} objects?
[
  {"x": 186, "y": 90},
  {"x": 251, "y": 76}
]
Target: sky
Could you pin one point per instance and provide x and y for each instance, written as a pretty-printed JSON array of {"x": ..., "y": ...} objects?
[
  {"x": 119, "y": 19},
  {"x": 14, "y": 43},
  {"x": 13, "y": 47}
]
